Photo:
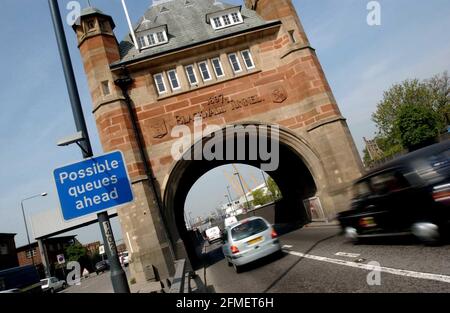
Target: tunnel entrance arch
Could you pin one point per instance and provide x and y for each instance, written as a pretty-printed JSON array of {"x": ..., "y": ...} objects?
[{"x": 299, "y": 176}]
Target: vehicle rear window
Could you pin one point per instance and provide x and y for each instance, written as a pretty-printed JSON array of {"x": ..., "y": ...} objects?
[
  {"x": 388, "y": 182},
  {"x": 248, "y": 229},
  {"x": 361, "y": 189}
]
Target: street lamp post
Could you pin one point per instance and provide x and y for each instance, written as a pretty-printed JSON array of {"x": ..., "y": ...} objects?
[
  {"x": 25, "y": 221},
  {"x": 267, "y": 186},
  {"x": 190, "y": 219},
  {"x": 243, "y": 190}
]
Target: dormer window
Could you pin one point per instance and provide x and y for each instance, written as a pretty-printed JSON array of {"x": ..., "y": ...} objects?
[
  {"x": 225, "y": 18},
  {"x": 154, "y": 37}
]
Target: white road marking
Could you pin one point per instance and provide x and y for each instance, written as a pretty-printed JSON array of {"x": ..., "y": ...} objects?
[
  {"x": 349, "y": 255},
  {"x": 399, "y": 272},
  {"x": 287, "y": 247}
]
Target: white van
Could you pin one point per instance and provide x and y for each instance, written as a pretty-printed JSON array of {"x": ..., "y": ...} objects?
[
  {"x": 213, "y": 234},
  {"x": 230, "y": 221}
]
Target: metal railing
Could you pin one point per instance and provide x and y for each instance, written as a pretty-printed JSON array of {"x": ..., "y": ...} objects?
[{"x": 179, "y": 279}]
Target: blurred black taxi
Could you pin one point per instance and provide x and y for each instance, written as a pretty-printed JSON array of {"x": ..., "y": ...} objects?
[{"x": 409, "y": 195}]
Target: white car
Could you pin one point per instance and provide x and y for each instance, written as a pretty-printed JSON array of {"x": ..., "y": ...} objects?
[
  {"x": 125, "y": 258},
  {"x": 53, "y": 284}
]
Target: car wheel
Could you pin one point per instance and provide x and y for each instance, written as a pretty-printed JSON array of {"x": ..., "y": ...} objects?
[
  {"x": 428, "y": 233},
  {"x": 52, "y": 291},
  {"x": 229, "y": 263},
  {"x": 237, "y": 269}
]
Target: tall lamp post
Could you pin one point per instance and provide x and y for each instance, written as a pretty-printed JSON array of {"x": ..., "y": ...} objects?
[
  {"x": 25, "y": 221},
  {"x": 243, "y": 190}
]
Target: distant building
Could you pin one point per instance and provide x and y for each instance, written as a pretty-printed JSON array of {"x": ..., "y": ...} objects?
[
  {"x": 373, "y": 149},
  {"x": 54, "y": 246},
  {"x": 8, "y": 254},
  {"x": 93, "y": 247}
]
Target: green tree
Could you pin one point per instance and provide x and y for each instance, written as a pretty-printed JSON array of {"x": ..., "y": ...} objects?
[
  {"x": 417, "y": 125},
  {"x": 274, "y": 189},
  {"x": 440, "y": 87},
  {"x": 76, "y": 252},
  {"x": 430, "y": 96},
  {"x": 259, "y": 198}
]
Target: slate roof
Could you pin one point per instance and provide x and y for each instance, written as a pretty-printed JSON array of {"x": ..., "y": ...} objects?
[{"x": 186, "y": 25}]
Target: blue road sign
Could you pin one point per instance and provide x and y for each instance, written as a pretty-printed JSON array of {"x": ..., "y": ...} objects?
[{"x": 93, "y": 185}]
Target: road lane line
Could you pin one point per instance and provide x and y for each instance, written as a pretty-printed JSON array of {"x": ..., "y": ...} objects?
[
  {"x": 349, "y": 255},
  {"x": 287, "y": 247},
  {"x": 394, "y": 271}
]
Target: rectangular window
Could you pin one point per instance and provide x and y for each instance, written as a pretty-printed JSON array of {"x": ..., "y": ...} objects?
[
  {"x": 235, "y": 64},
  {"x": 217, "y": 22},
  {"x": 160, "y": 84},
  {"x": 247, "y": 56},
  {"x": 218, "y": 67},
  {"x": 190, "y": 72},
  {"x": 226, "y": 20},
  {"x": 204, "y": 70},
  {"x": 173, "y": 78},
  {"x": 236, "y": 18},
  {"x": 292, "y": 35},
  {"x": 151, "y": 39},
  {"x": 141, "y": 42},
  {"x": 105, "y": 88},
  {"x": 31, "y": 253},
  {"x": 161, "y": 37},
  {"x": 3, "y": 249}
]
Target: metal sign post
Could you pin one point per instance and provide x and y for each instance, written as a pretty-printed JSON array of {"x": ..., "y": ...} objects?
[{"x": 118, "y": 277}]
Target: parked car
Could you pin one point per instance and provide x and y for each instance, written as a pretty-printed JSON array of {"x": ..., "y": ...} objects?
[
  {"x": 23, "y": 279},
  {"x": 213, "y": 234},
  {"x": 124, "y": 258},
  {"x": 248, "y": 241},
  {"x": 409, "y": 195},
  {"x": 53, "y": 284},
  {"x": 102, "y": 266}
]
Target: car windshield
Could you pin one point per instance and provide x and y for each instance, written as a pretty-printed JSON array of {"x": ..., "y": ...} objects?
[{"x": 248, "y": 228}]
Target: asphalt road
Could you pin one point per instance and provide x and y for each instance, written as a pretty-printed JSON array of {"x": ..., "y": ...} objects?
[
  {"x": 334, "y": 265},
  {"x": 94, "y": 284}
]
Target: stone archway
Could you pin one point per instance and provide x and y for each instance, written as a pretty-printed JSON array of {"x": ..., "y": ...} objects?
[{"x": 299, "y": 175}]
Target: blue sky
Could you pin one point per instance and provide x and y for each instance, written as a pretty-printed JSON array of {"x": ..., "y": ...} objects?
[{"x": 360, "y": 62}]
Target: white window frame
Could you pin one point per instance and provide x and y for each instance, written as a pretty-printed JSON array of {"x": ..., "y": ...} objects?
[
  {"x": 193, "y": 71},
  {"x": 226, "y": 18},
  {"x": 238, "y": 62},
  {"x": 213, "y": 22},
  {"x": 214, "y": 67},
  {"x": 154, "y": 35},
  {"x": 170, "y": 80},
  {"x": 239, "y": 16},
  {"x": 142, "y": 42},
  {"x": 163, "y": 82},
  {"x": 251, "y": 59},
  {"x": 150, "y": 44},
  {"x": 220, "y": 16},
  {"x": 207, "y": 69},
  {"x": 164, "y": 35}
]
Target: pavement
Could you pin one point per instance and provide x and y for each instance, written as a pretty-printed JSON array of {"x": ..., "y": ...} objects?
[
  {"x": 319, "y": 259},
  {"x": 102, "y": 284}
]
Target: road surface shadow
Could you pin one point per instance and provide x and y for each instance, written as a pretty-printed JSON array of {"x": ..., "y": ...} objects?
[
  {"x": 213, "y": 256},
  {"x": 262, "y": 262}
]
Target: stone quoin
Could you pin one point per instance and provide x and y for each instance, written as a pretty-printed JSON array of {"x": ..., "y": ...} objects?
[{"x": 231, "y": 65}]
